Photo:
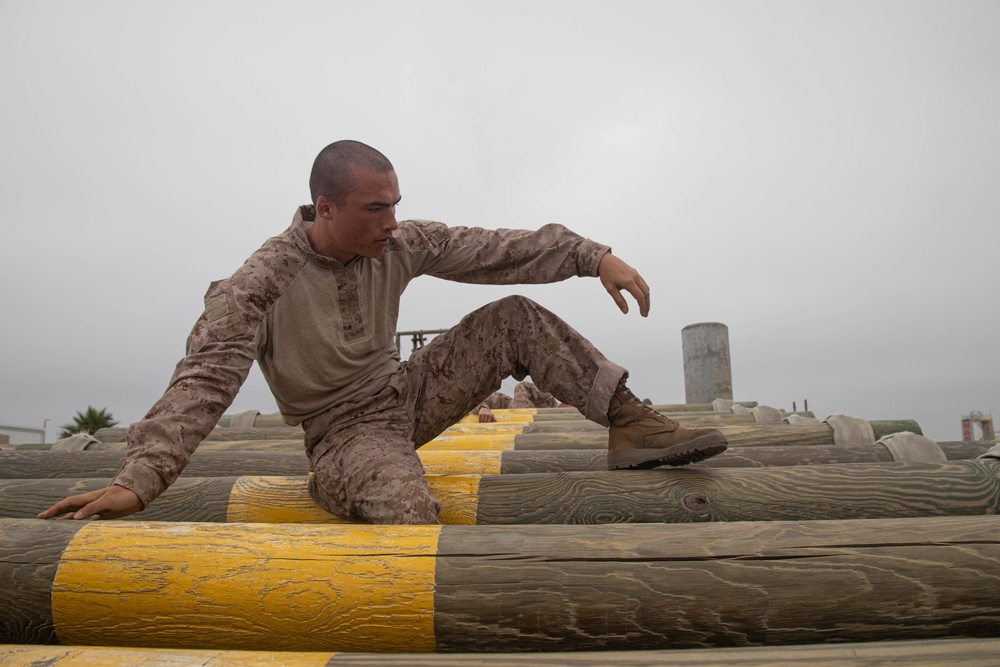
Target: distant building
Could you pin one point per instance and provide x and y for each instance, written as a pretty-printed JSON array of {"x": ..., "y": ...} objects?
[{"x": 20, "y": 435}]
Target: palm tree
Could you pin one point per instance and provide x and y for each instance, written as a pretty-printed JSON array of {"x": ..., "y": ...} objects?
[{"x": 88, "y": 422}]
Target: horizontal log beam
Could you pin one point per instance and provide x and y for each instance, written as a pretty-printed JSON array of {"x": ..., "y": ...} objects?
[
  {"x": 456, "y": 589},
  {"x": 586, "y": 431},
  {"x": 957, "y": 450},
  {"x": 207, "y": 462},
  {"x": 800, "y": 493},
  {"x": 531, "y": 414},
  {"x": 754, "y": 436},
  {"x": 749, "y": 435},
  {"x": 926, "y": 653}
]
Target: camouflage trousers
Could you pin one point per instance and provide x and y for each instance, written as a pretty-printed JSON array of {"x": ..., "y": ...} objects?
[
  {"x": 363, "y": 454},
  {"x": 528, "y": 395}
]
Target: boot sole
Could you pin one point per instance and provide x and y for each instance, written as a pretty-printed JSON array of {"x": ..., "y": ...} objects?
[{"x": 681, "y": 454}]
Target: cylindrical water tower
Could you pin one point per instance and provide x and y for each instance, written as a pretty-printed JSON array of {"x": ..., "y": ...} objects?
[{"x": 707, "y": 370}]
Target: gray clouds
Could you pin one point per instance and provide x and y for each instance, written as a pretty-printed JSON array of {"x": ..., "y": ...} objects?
[{"x": 820, "y": 176}]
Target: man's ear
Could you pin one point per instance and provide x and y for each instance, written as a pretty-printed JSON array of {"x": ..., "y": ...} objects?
[{"x": 325, "y": 208}]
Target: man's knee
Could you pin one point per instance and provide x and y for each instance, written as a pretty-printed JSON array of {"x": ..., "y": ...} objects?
[
  {"x": 401, "y": 499},
  {"x": 516, "y": 303}
]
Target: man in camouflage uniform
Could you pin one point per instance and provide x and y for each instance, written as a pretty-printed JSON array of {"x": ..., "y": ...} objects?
[
  {"x": 526, "y": 395},
  {"x": 316, "y": 307}
]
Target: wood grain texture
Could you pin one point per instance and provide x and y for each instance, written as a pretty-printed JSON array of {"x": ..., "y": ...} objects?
[
  {"x": 204, "y": 463},
  {"x": 571, "y": 460},
  {"x": 583, "y": 425},
  {"x": 457, "y": 443},
  {"x": 925, "y": 653},
  {"x": 666, "y": 495},
  {"x": 740, "y": 434},
  {"x": 884, "y": 427},
  {"x": 558, "y": 460},
  {"x": 29, "y": 556},
  {"x": 742, "y": 494},
  {"x": 958, "y": 450},
  {"x": 654, "y": 586},
  {"x": 117, "y": 434},
  {"x": 246, "y": 586},
  {"x": 221, "y": 463},
  {"x": 526, "y": 588},
  {"x": 526, "y": 415},
  {"x": 189, "y": 499},
  {"x": 287, "y": 500},
  {"x": 747, "y": 435}
]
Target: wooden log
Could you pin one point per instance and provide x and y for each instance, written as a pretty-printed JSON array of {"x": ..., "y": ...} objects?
[
  {"x": 506, "y": 588},
  {"x": 578, "y": 425},
  {"x": 520, "y": 414},
  {"x": 25, "y": 573},
  {"x": 740, "y": 434},
  {"x": 751, "y": 435},
  {"x": 799, "y": 493},
  {"x": 222, "y": 463},
  {"x": 957, "y": 450},
  {"x": 117, "y": 434},
  {"x": 978, "y": 652},
  {"x": 106, "y": 463}
]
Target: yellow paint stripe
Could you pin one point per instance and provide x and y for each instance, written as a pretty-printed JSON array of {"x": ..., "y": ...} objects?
[
  {"x": 102, "y": 656},
  {"x": 509, "y": 415},
  {"x": 498, "y": 428},
  {"x": 459, "y": 496},
  {"x": 262, "y": 499},
  {"x": 259, "y": 499},
  {"x": 443, "y": 462},
  {"x": 497, "y": 443},
  {"x": 229, "y": 586}
]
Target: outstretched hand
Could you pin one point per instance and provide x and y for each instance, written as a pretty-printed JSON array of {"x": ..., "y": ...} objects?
[
  {"x": 616, "y": 276},
  {"x": 111, "y": 502}
]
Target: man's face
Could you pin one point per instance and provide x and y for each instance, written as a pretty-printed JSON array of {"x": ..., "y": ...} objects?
[{"x": 364, "y": 223}]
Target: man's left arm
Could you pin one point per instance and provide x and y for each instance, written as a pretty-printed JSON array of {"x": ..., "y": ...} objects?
[{"x": 549, "y": 254}]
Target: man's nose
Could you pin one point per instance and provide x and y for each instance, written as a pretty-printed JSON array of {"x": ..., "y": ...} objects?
[{"x": 390, "y": 219}]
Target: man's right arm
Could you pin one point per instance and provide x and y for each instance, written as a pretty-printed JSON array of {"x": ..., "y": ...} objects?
[{"x": 220, "y": 352}]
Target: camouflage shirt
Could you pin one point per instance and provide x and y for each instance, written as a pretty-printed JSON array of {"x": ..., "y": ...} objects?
[{"x": 322, "y": 331}]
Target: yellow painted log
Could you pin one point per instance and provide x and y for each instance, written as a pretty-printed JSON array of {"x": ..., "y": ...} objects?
[
  {"x": 370, "y": 588},
  {"x": 507, "y": 415},
  {"x": 286, "y": 500},
  {"x": 493, "y": 443},
  {"x": 502, "y": 588},
  {"x": 460, "y": 462}
]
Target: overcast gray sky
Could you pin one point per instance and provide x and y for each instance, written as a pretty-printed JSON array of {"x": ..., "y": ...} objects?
[{"x": 822, "y": 177}]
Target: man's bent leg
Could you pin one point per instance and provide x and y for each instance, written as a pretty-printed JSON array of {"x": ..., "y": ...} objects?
[
  {"x": 517, "y": 337},
  {"x": 364, "y": 465},
  {"x": 379, "y": 483},
  {"x": 510, "y": 337}
]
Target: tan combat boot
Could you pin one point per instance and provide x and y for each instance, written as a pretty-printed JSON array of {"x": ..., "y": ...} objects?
[{"x": 640, "y": 437}]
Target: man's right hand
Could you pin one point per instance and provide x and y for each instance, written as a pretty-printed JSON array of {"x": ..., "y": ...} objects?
[{"x": 111, "y": 502}]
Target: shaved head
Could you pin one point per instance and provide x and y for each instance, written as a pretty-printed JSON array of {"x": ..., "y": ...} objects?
[{"x": 331, "y": 174}]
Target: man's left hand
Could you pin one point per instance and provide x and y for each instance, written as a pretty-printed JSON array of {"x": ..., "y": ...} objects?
[{"x": 616, "y": 276}]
